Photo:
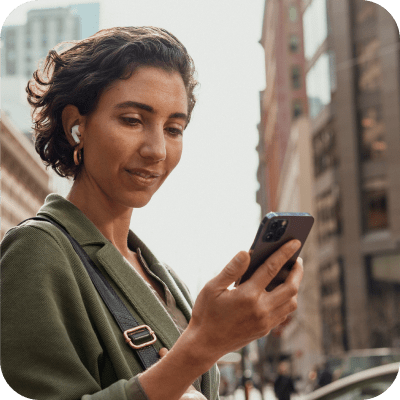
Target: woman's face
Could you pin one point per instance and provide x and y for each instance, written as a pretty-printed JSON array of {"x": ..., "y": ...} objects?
[{"x": 133, "y": 140}]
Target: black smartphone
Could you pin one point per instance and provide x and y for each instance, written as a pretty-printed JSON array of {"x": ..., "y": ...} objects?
[{"x": 275, "y": 230}]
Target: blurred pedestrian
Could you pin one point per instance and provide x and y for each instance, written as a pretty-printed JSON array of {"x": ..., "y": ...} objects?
[
  {"x": 311, "y": 383},
  {"x": 284, "y": 385},
  {"x": 325, "y": 375}
]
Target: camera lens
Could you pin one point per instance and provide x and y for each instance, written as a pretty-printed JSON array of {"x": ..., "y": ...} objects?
[
  {"x": 268, "y": 237},
  {"x": 274, "y": 225},
  {"x": 280, "y": 231}
]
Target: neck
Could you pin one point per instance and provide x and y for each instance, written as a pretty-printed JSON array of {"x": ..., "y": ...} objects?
[{"x": 110, "y": 218}]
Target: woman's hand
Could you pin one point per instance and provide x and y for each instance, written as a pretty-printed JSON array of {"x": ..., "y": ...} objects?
[
  {"x": 191, "y": 393},
  {"x": 225, "y": 320}
]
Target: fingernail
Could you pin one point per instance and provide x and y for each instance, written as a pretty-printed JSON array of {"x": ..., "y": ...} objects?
[
  {"x": 295, "y": 245},
  {"x": 240, "y": 257}
]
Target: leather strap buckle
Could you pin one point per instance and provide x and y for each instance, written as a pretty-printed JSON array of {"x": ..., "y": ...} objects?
[{"x": 140, "y": 328}]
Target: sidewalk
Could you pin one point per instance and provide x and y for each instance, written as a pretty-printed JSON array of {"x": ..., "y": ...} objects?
[{"x": 256, "y": 395}]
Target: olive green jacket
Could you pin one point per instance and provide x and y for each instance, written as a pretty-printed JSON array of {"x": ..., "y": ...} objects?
[{"x": 58, "y": 339}]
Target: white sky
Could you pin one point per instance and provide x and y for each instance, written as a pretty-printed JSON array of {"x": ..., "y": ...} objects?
[{"x": 206, "y": 211}]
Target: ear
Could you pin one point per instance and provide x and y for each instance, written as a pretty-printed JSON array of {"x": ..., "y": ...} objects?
[{"x": 70, "y": 118}]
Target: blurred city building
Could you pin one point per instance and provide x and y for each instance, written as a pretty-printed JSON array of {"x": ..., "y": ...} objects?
[
  {"x": 284, "y": 98},
  {"x": 286, "y": 171},
  {"x": 352, "y": 82},
  {"x": 24, "y": 48},
  {"x": 24, "y": 179}
]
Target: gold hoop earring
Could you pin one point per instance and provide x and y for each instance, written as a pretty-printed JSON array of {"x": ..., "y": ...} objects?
[{"x": 77, "y": 156}]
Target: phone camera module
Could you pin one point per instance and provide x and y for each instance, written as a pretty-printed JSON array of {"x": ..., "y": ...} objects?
[
  {"x": 269, "y": 237},
  {"x": 275, "y": 230},
  {"x": 274, "y": 225},
  {"x": 280, "y": 231}
]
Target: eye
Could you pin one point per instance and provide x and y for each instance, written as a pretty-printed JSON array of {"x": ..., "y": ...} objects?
[
  {"x": 174, "y": 131},
  {"x": 131, "y": 121}
]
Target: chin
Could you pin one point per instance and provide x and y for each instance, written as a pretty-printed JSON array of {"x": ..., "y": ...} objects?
[{"x": 138, "y": 201}]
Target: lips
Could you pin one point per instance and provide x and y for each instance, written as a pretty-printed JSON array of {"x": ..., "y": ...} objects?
[{"x": 144, "y": 177}]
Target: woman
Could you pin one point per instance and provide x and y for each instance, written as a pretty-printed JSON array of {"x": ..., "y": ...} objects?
[{"x": 110, "y": 112}]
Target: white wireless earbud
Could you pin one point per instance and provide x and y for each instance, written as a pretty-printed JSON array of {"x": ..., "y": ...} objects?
[{"x": 75, "y": 134}]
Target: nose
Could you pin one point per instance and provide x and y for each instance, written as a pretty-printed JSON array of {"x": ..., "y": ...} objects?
[{"x": 153, "y": 146}]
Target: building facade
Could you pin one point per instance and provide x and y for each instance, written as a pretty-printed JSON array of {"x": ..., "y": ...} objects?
[
  {"x": 353, "y": 89},
  {"x": 352, "y": 80},
  {"x": 286, "y": 173},
  {"x": 26, "y": 45},
  {"x": 284, "y": 98},
  {"x": 24, "y": 180},
  {"x": 24, "y": 48}
]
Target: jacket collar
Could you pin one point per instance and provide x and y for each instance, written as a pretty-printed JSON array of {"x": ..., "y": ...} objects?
[
  {"x": 86, "y": 233},
  {"x": 72, "y": 219}
]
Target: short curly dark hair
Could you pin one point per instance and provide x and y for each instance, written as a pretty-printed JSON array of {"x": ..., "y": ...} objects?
[{"x": 79, "y": 75}]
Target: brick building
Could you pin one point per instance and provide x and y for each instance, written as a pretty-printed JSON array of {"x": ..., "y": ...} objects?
[{"x": 24, "y": 179}]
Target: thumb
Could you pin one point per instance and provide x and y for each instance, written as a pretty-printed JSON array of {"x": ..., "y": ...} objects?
[
  {"x": 163, "y": 352},
  {"x": 233, "y": 271}
]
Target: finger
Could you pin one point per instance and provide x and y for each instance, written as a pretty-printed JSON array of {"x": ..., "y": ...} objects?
[
  {"x": 295, "y": 275},
  {"x": 233, "y": 271},
  {"x": 270, "y": 268},
  {"x": 163, "y": 352},
  {"x": 290, "y": 287},
  {"x": 282, "y": 312}
]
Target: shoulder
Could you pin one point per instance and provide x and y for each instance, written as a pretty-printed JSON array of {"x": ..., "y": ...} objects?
[
  {"x": 39, "y": 267},
  {"x": 34, "y": 246},
  {"x": 32, "y": 236}
]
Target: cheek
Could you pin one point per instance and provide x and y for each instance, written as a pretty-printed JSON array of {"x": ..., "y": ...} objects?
[
  {"x": 174, "y": 154},
  {"x": 106, "y": 147}
]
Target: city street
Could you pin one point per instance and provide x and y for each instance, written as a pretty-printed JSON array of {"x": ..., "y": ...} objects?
[{"x": 255, "y": 394}]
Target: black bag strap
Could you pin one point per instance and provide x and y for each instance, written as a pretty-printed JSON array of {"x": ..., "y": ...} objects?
[{"x": 138, "y": 337}]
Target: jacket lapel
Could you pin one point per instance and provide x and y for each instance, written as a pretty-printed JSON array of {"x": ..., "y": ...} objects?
[
  {"x": 128, "y": 281},
  {"x": 139, "y": 295},
  {"x": 161, "y": 271}
]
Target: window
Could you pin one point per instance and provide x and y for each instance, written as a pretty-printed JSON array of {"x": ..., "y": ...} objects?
[
  {"x": 296, "y": 77},
  {"x": 373, "y": 143},
  {"x": 293, "y": 13},
  {"x": 294, "y": 43},
  {"x": 385, "y": 267},
  {"x": 60, "y": 26},
  {"x": 44, "y": 25},
  {"x": 376, "y": 209},
  {"x": 297, "y": 108},
  {"x": 11, "y": 67},
  {"x": 319, "y": 85},
  {"x": 375, "y": 204},
  {"x": 369, "y": 65},
  {"x": 315, "y": 25},
  {"x": 323, "y": 149},
  {"x": 328, "y": 215},
  {"x": 332, "y": 69},
  {"x": 11, "y": 37}
]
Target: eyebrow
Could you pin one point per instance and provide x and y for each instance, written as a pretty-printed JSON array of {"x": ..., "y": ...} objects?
[{"x": 150, "y": 109}]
